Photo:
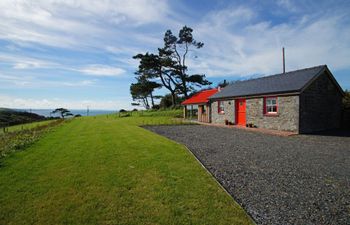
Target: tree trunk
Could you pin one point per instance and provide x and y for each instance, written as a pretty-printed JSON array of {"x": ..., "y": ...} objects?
[
  {"x": 152, "y": 100},
  {"x": 147, "y": 104},
  {"x": 173, "y": 99},
  {"x": 184, "y": 83},
  {"x": 169, "y": 87}
]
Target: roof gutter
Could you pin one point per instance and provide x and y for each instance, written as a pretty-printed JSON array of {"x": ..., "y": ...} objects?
[{"x": 257, "y": 95}]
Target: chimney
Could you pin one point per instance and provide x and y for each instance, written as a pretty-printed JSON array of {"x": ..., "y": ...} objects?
[{"x": 284, "y": 61}]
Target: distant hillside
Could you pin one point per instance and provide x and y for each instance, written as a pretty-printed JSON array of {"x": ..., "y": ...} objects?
[{"x": 9, "y": 117}]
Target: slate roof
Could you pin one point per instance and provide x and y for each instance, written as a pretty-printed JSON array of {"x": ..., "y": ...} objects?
[
  {"x": 292, "y": 81},
  {"x": 200, "y": 97}
]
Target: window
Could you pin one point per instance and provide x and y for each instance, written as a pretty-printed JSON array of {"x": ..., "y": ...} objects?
[
  {"x": 270, "y": 106},
  {"x": 221, "y": 108}
]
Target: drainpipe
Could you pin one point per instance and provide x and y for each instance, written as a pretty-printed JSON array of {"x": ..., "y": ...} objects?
[{"x": 284, "y": 61}]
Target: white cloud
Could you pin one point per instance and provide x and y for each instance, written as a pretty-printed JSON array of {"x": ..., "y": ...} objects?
[
  {"x": 44, "y": 103},
  {"x": 230, "y": 16},
  {"x": 287, "y": 4},
  {"x": 254, "y": 46},
  {"x": 21, "y": 62},
  {"x": 25, "y": 81},
  {"x": 14, "y": 80},
  {"x": 25, "y": 63},
  {"x": 102, "y": 70},
  {"x": 63, "y": 23},
  {"x": 75, "y": 84}
]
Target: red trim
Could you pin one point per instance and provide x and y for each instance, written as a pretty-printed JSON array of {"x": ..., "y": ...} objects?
[
  {"x": 200, "y": 97},
  {"x": 270, "y": 113}
]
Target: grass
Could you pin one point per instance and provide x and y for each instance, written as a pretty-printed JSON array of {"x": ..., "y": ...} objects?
[
  {"x": 26, "y": 126},
  {"x": 108, "y": 170},
  {"x": 17, "y": 140}
]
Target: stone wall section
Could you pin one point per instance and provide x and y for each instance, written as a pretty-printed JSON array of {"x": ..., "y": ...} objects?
[
  {"x": 218, "y": 118},
  {"x": 286, "y": 119}
]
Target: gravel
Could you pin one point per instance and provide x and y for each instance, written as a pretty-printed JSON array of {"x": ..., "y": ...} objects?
[{"x": 303, "y": 179}]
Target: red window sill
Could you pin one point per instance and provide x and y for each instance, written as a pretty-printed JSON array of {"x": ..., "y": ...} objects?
[{"x": 271, "y": 114}]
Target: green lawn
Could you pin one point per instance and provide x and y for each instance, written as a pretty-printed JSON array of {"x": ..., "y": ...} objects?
[
  {"x": 107, "y": 170},
  {"x": 26, "y": 126}
]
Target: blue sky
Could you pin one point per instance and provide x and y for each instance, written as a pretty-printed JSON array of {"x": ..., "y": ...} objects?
[{"x": 78, "y": 53}]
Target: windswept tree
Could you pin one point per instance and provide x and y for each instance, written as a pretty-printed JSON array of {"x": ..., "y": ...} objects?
[
  {"x": 153, "y": 67},
  {"x": 176, "y": 50},
  {"x": 63, "y": 112},
  {"x": 169, "y": 66},
  {"x": 142, "y": 90}
]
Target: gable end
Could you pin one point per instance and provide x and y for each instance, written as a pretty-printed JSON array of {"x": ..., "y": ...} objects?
[{"x": 329, "y": 75}]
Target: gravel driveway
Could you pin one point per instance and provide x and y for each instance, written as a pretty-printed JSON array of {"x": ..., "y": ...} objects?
[{"x": 303, "y": 179}]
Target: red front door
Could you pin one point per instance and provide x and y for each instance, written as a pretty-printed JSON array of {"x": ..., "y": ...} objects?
[{"x": 240, "y": 112}]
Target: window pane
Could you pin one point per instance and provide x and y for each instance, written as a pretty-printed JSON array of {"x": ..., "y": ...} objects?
[
  {"x": 271, "y": 105},
  {"x": 271, "y": 109}
]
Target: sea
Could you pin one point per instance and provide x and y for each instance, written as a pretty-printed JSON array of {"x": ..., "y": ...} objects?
[{"x": 82, "y": 112}]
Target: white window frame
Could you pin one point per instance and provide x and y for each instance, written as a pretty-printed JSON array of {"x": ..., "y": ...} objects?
[{"x": 270, "y": 105}]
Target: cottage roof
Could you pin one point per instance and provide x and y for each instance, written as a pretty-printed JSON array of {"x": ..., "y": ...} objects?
[
  {"x": 290, "y": 82},
  {"x": 200, "y": 97}
]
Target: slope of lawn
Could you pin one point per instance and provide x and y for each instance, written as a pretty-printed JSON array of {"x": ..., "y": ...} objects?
[{"x": 107, "y": 170}]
